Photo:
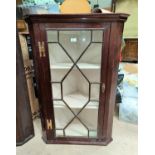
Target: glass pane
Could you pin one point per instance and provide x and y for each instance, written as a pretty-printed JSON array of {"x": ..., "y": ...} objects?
[
  {"x": 89, "y": 115},
  {"x": 52, "y": 36},
  {"x": 75, "y": 90},
  {"x": 97, "y": 36},
  {"x": 56, "y": 89},
  {"x": 60, "y": 63},
  {"x": 76, "y": 129},
  {"x": 62, "y": 114},
  {"x": 74, "y": 42},
  {"x": 92, "y": 134},
  {"x": 75, "y": 62},
  {"x": 59, "y": 133},
  {"x": 90, "y": 62},
  {"x": 95, "y": 90}
]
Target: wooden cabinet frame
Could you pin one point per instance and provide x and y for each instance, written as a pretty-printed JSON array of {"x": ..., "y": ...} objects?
[{"x": 113, "y": 27}]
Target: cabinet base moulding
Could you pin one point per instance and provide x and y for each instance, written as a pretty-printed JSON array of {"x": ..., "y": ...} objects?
[
  {"x": 23, "y": 142},
  {"x": 104, "y": 142}
]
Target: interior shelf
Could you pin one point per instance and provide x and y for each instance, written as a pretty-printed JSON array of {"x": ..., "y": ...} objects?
[
  {"x": 76, "y": 101},
  {"x": 80, "y": 65}
]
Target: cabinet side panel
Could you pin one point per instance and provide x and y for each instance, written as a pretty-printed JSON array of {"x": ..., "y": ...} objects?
[
  {"x": 111, "y": 83},
  {"x": 24, "y": 125},
  {"x": 105, "y": 50}
]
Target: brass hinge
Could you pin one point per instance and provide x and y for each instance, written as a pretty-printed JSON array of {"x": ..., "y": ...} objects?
[
  {"x": 103, "y": 87},
  {"x": 49, "y": 124},
  {"x": 41, "y": 46}
]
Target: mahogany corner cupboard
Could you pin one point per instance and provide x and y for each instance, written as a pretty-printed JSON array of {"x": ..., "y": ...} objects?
[{"x": 76, "y": 58}]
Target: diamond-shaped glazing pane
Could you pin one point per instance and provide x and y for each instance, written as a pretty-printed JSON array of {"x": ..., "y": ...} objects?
[
  {"x": 90, "y": 62},
  {"x": 75, "y": 90}
]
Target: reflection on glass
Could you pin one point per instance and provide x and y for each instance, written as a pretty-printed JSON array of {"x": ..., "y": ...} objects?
[{"x": 74, "y": 42}]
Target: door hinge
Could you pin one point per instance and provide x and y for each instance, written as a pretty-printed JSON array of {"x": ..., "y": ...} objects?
[
  {"x": 41, "y": 46},
  {"x": 49, "y": 124},
  {"x": 103, "y": 87}
]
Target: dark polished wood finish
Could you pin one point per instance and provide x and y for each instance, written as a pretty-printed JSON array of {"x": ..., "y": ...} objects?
[
  {"x": 73, "y": 18},
  {"x": 130, "y": 51},
  {"x": 24, "y": 125},
  {"x": 113, "y": 28}
]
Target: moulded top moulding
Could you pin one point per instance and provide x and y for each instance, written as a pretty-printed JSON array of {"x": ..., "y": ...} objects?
[{"x": 71, "y": 18}]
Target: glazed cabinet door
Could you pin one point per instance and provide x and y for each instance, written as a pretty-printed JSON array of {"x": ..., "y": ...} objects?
[{"x": 73, "y": 66}]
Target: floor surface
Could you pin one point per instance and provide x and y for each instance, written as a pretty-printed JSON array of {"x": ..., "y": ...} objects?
[{"x": 124, "y": 143}]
